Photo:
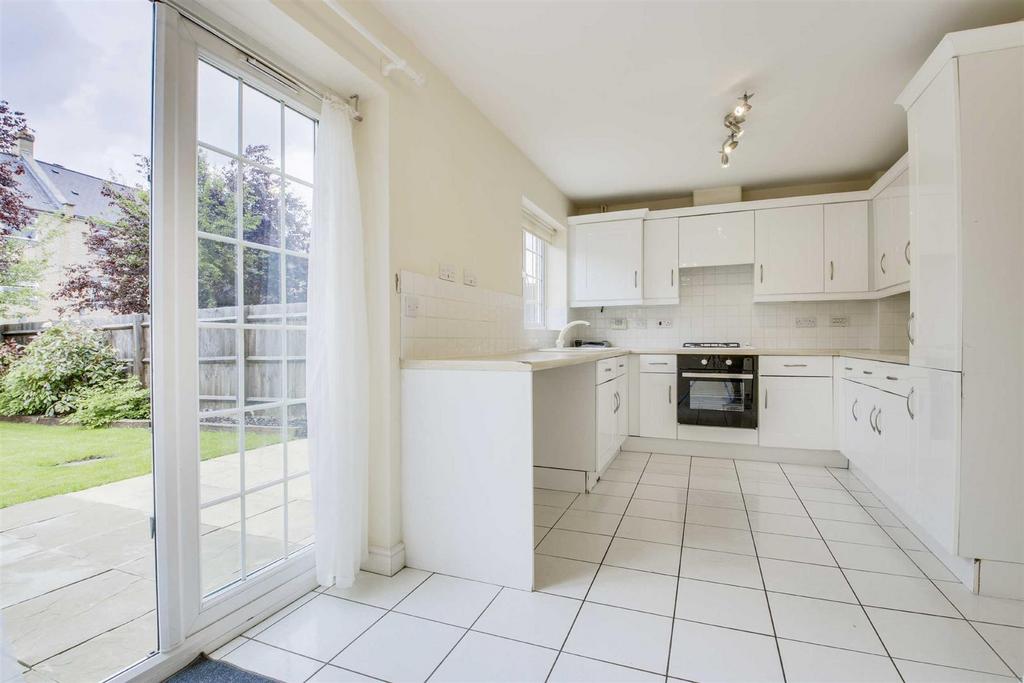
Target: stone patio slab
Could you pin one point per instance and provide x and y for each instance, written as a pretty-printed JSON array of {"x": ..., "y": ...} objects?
[
  {"x": 40, "y": 573},
  {"x": 38, "y": 510},
  {"x": 106, "y": 654}
]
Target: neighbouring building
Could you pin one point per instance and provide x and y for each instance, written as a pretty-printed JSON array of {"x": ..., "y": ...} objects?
[{"x": 64, "y": 202}]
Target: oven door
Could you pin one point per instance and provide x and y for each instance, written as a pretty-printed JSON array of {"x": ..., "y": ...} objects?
[{"x": 717, "y": 400}]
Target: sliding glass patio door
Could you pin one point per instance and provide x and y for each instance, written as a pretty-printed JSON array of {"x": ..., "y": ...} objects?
[{"x": 235, "y": 202}]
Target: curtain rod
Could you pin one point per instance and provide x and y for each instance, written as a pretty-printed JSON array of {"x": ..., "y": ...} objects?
[
  {"x": 258, "y": 62},
  {"x": 394, "y": 62}
]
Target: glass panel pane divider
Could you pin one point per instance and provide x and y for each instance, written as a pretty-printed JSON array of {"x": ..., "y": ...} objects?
[
  {"x": 254, "y": 245},
  {"x": 283, "y": 234},
  {"x": 239, "y": 332}
]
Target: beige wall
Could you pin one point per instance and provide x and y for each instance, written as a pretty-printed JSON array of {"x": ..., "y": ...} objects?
[{"x": 444, "y": 186}]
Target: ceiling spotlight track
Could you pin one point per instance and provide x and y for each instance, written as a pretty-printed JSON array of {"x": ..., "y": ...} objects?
[{"x": 734, "y": 122}]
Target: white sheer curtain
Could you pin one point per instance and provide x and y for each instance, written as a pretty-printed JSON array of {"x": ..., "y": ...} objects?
[{"x": 337, "y": 379}]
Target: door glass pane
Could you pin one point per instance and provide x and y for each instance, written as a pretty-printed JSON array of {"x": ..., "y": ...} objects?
[
  {"x": 218, "y": 108},
  {"x": 78, "y": 570},
  {"x": 253, "y": 228}
]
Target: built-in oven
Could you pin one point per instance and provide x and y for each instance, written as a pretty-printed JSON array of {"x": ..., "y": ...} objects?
[{"x": 717, "y": 391}]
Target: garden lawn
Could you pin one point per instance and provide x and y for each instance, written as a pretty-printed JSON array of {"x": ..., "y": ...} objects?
[{"x": 34, "y": 458}]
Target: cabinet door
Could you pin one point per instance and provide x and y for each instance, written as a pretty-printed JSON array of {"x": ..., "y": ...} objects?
[
  {"x": 882, "y": 216},
  {"x": 795, "y": 412},
  {"x": 607, "y": 262},
  {"x": 722, "y": 239},
  {"x": 622, "y": 411},
  {"x": 935, "y": 297},
  {"x": 657, "y": 409},
  {"x": 846, "y": 247},
  {"x": 789, "y": 246},
  {"x": 897, "y": 239},
  {"x": 895, "y": 430},
  {"x": 935, "y": 495},
  {"x": 607, "y": 423},
  {"x": 661, "y": 260}
]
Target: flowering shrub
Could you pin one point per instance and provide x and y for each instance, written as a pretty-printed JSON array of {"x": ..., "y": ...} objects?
[{"x": 116, "y": 399}]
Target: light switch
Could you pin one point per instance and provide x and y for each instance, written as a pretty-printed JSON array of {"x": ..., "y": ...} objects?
[{"x": 446, "y": 272}]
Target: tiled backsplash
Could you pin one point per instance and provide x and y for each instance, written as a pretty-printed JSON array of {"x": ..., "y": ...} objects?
[
  {"x": 715, "y": 304},
  {"x": 452, "y": 319}
]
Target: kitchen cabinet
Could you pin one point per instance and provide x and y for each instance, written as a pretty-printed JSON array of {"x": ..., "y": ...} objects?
[
  {"x": 657, "y": 405},
  {"x": 890, "y": 261},
  {"x": 846, "y": 247},
  {"x": 788, "y": 249},
  {"x": 607, "y": 423},
  {"x": 795, "y": 412},
  {"x": 935, "y": 301},
  {"x": 622, "y": 410},
  {"x": 661, "y": 261},
  {"x": 721, "y": 239},
  {"x": 607, "y": 263}
]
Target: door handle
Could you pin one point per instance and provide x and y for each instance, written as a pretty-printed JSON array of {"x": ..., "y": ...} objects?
[
  {"x": 909, "y": 410},
  {"x": 881, "y": 263},
  {"x": 891, "y": 378},
  {"x": 853, "y": 410},
  {"x": 794, "y": 365},
  {"x": 906, "y": 252},
  {"x": 910, "y": 322}
]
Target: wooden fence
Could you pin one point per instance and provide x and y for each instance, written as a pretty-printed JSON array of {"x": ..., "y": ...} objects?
[{"x": 275, "y": 359}]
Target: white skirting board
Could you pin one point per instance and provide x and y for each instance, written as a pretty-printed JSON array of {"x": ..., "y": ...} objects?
[
  {"x": 1001, "y": 579},
  {"x": 707, "y": 449},
  {"x": 963, "y": 568},
  {"x": 385, "y": 561}
]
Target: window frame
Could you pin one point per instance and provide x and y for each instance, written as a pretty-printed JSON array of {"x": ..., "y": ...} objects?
[{"x": 539, "y": 279}]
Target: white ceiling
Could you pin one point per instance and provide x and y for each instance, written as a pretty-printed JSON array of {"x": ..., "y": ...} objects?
[{"x": 616, "y": 100}]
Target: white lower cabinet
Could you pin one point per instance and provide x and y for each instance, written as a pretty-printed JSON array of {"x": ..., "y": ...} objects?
[
  {"x": 622, "y": 409},
  {"x": 657, "y": 405},
  {"x": 607, "y": 423},
  {"x": 795, "y": 412}
]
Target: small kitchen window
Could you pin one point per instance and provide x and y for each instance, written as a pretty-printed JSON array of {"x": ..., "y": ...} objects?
[{"x": 533, "y": 280}]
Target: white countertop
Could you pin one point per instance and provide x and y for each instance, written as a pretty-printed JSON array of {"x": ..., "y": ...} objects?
[{"x": 532, "y": 361}]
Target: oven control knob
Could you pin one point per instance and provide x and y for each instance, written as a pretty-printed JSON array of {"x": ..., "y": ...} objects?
[
  {"x": 703, "y": 361},
  {"x": 728, "y": 361}
]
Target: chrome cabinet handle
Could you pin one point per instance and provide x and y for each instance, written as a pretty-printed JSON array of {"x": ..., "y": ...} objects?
[
  {"x": 711, "y": 376},
  {"x": 847, "y": 367},
  {"x": 762, "y": 272},
  {"x": 867, "y": 372},
  {"x": 617, "y": 403},
  {"x": 831, "y": 270},
  {"x": 670, "y": 394},
  {"x": 659, "y": 363},
  {"x": 636, "y": 274},
  {"x": 881, "y": 263},
  {"x": 871, "y": 418},
  {"x": 853, "y": 410},
  {"x": 910, "y": 322},
  {"x": 909, "y": 410},
  {"x": 891, "y": 378},
  {"x": 906, "y": 252},
  {"x": 878, "y": 426},
  {"x": 672, "y": 278},
  {"x": 766, "y": 399},
  {"x": 794, "y": 365}
]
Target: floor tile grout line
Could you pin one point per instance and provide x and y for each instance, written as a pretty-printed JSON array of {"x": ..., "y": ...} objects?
[
  {"x": 850, "y": 585},
  {"x": 764, "y": 586},
  {"x": 935, "y": 586},
  {"x": 464, "y": 634},
  {"x": 679, "y": 571},
  {"x": 583, "y": 601},
  {"x": 567, "y": 508}
]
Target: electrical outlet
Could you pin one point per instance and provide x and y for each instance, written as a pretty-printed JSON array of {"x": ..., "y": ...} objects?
[
  {"x": 468, "y": 277},
  {"x": 446, "y": 272},
  {"x": 664, "y": 323},
  {"x": 638, "y": 323},
  {"x": 618, "y": 323},
  {"x": 807, "y": 322},
  {"x": 412, "y": 306},
  {"x": 839, "y": 321}
]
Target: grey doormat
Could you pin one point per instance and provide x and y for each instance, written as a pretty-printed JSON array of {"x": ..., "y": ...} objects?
[{"x": 205, "y": 670}]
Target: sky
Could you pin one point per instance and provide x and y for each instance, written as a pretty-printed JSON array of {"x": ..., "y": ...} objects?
[{"x": 80, "y": 71}]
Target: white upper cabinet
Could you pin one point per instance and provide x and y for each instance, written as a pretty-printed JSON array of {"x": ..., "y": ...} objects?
[
  {"x": 935, "y": 301},
  {"x": 846, "y": 247},
  {"x": 788, "y": 246},
  {"x": 607, "y": 263},
  {"x": 721, "y": 239},
  {"x": 890, "y": 259},
  {"x": 661, "y": 265}
]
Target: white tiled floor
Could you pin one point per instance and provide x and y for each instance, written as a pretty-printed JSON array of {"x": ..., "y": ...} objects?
[{"x": 676, "y": 568}]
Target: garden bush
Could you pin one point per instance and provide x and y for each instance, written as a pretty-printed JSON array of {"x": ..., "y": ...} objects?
[
  {"x": 55, "y": 368},
  {"x": 9, "y": 352},
  {"x": 117, "y": 399}
]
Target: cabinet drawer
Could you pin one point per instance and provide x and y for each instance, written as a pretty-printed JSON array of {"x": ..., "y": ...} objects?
[
  {"x": 892, "y": 377},
  {"x": 658, "y": 363},
  {"x": 621, "y": 365},
  {"x": 607, "y": 369},
  {"x": 796, "y": 366}
]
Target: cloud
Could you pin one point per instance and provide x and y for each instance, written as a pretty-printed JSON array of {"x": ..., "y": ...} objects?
[{"x": 81, "y": 70}]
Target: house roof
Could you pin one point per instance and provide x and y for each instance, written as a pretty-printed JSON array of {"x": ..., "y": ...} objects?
[{"x": 81, "y": 190}]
